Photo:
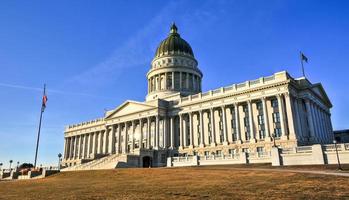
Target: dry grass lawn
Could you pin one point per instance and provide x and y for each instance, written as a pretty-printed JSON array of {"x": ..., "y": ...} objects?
[{"x": 178, "y": 183}]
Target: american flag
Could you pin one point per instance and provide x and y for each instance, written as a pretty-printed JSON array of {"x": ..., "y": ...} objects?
[{"x": 44, "y": 101}]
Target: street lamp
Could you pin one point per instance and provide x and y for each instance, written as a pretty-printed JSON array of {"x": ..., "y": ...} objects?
[
  {"x": 59, "y": 161},
  {"x": 339, "y": 163},
  {"x": 17, "y": 164},
  {"x": 274, "y": 136},
  {"x": 1, "y": 166},
  {"x": 11, "y": 163}
]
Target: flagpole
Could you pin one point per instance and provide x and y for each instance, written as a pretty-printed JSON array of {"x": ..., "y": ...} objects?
[
  {"x": 300, "y": 55},
  {"x": 38, "y": 138}
]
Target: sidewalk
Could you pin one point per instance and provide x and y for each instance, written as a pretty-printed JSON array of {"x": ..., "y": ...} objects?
[{"x": 322, "y": 172}]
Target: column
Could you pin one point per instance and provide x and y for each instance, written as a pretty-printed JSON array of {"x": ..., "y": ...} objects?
[
  {"x": 187, "y": 80},
  {"x": 88, "y": 147},
  {"x": 126, "y": 138},
  {"x": 99, "y": 142},
  {"x": 180, "y": 81},
  {"x": 266, "y": 119},
  {"x": 148, "y": 132},
  {"x": 202, "y": 139},
  {"x": 282, "y": 117},
  {"x": 111, "y": 147},
  {"x": 185, "y": 131},
  {"x": 317, "y": 123},
  {"x": 75, "y": 146},
  {"x": 105, "y": 140},
  {"x": 140, "y": 143},
  {"x": 191, "y": 132},
  {"x": 237, "y": 122},
  {"x": 290, "y": 119},
  {"x": 328, "y": 139},
  {"x": 70, "y": 148},
  {"x": 320, "y": 124},
  {"x": 172, "y": 131},
  {"x": 133, "y": 135},
  {"x": 213, "y": 133},
  {"x": 119, "y": 139},
  {"x": 165, "y": 81},
  {"x": 224, "y": 119},
  {"x": 156, "y": 138},
  {"x": 78, "y": 147},
  {"x": 299, "y": 132},
  {"x": 250, "y": 118},
  {"x": 310, "y": 120},
  {"x": 181, "y": 131},
  {"x": 323, "y": 126},
  {"x": 83, "y": 146},
  {"x": 65, "y": 148},
  {"x": 173, "y": 81},
  {"x": 165, "y": 133},
  {"x": 71, "y": 152},
  {"x": 94, "y": 142}
]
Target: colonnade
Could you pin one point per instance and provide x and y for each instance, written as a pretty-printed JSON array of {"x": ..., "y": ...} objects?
[
  {"x": 147, "y": 133},
  {"x": 243, "y": 122},
  {"x": 315, "y": 121},
  {"x": 282, "y": 117},
  {"x": 174, "y": 81}
]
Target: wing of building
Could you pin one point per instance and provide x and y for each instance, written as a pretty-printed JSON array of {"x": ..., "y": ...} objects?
[{"x": 177, "y": 118}]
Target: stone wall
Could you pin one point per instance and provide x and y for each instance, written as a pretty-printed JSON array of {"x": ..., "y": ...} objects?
[{"x": 303, "y": 155}]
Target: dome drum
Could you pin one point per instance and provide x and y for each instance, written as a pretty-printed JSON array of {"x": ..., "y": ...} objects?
[{"x": 174, "y": 69}]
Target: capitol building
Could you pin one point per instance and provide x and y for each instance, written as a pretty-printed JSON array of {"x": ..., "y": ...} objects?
[{"x": 178, "y": 120}]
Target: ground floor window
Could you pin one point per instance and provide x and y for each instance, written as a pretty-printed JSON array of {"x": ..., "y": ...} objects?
[{"x": 219, "y": 153}]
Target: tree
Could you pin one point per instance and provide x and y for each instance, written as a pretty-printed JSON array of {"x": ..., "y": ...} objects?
[{"x": 26, "y": 166}]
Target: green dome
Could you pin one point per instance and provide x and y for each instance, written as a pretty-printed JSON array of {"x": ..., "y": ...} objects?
[{"x": 174, "y": 45}]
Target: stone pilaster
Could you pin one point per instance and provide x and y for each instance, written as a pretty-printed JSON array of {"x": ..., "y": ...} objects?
[
  {"x": 213, "y": 133},
  {"x": 224, "y": 120}
]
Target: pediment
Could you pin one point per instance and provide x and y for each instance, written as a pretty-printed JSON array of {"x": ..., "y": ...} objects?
[
  {"x": 129, "y": 107},
  {"x": 319, "y": 90}
]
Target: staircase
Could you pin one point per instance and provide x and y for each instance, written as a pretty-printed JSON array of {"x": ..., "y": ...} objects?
[{"x": 107, "y": 162}]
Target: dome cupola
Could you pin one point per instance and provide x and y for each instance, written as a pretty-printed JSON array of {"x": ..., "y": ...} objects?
[
  {"x": 174, "y": 45},
  {"x": 173, "y": 69}
]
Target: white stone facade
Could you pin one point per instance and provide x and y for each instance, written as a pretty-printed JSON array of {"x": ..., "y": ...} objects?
[{"x": 178, "y": 119}]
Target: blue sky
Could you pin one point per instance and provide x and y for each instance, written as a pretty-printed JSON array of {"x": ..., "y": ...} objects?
[{"x": 93, "y": 55}]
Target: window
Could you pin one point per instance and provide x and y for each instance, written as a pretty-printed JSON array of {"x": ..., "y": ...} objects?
[
  {"x": 207, "y": 153},
  {"x": 232, "y": 151},
  {"x": 169, "y": 81},
  {"x": 261, "y": 134},
  {"x": 245, "y": 109},
  {"x": 246, "y": 122},
  {"x": 184, "y": 80},
  {"x": 246, "y": 150},
  {"x": 219, "y": 153},
  {"x": 259, "y": 106},
  {"x": 247, "y": 135},
  {"x": 276, "y": 117},
  {"x": 260, "y": 119},
  {"x": 163, "y": 158},
  {"x": 274, "y": 103},
  {"x": 277, "y": 132},
  {"x": 260, "y": 149}
]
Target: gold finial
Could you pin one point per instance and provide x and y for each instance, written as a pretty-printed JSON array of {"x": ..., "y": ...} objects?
[{"x": 173, "y": 28}]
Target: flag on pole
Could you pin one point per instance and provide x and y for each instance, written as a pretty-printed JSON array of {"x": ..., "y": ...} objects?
[
  {"x": 44, "y": 101},
  {"x": 304, "y": 58}
]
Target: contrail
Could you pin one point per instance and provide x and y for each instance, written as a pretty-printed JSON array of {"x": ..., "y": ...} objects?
[{"x": 49, "y": 90}]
